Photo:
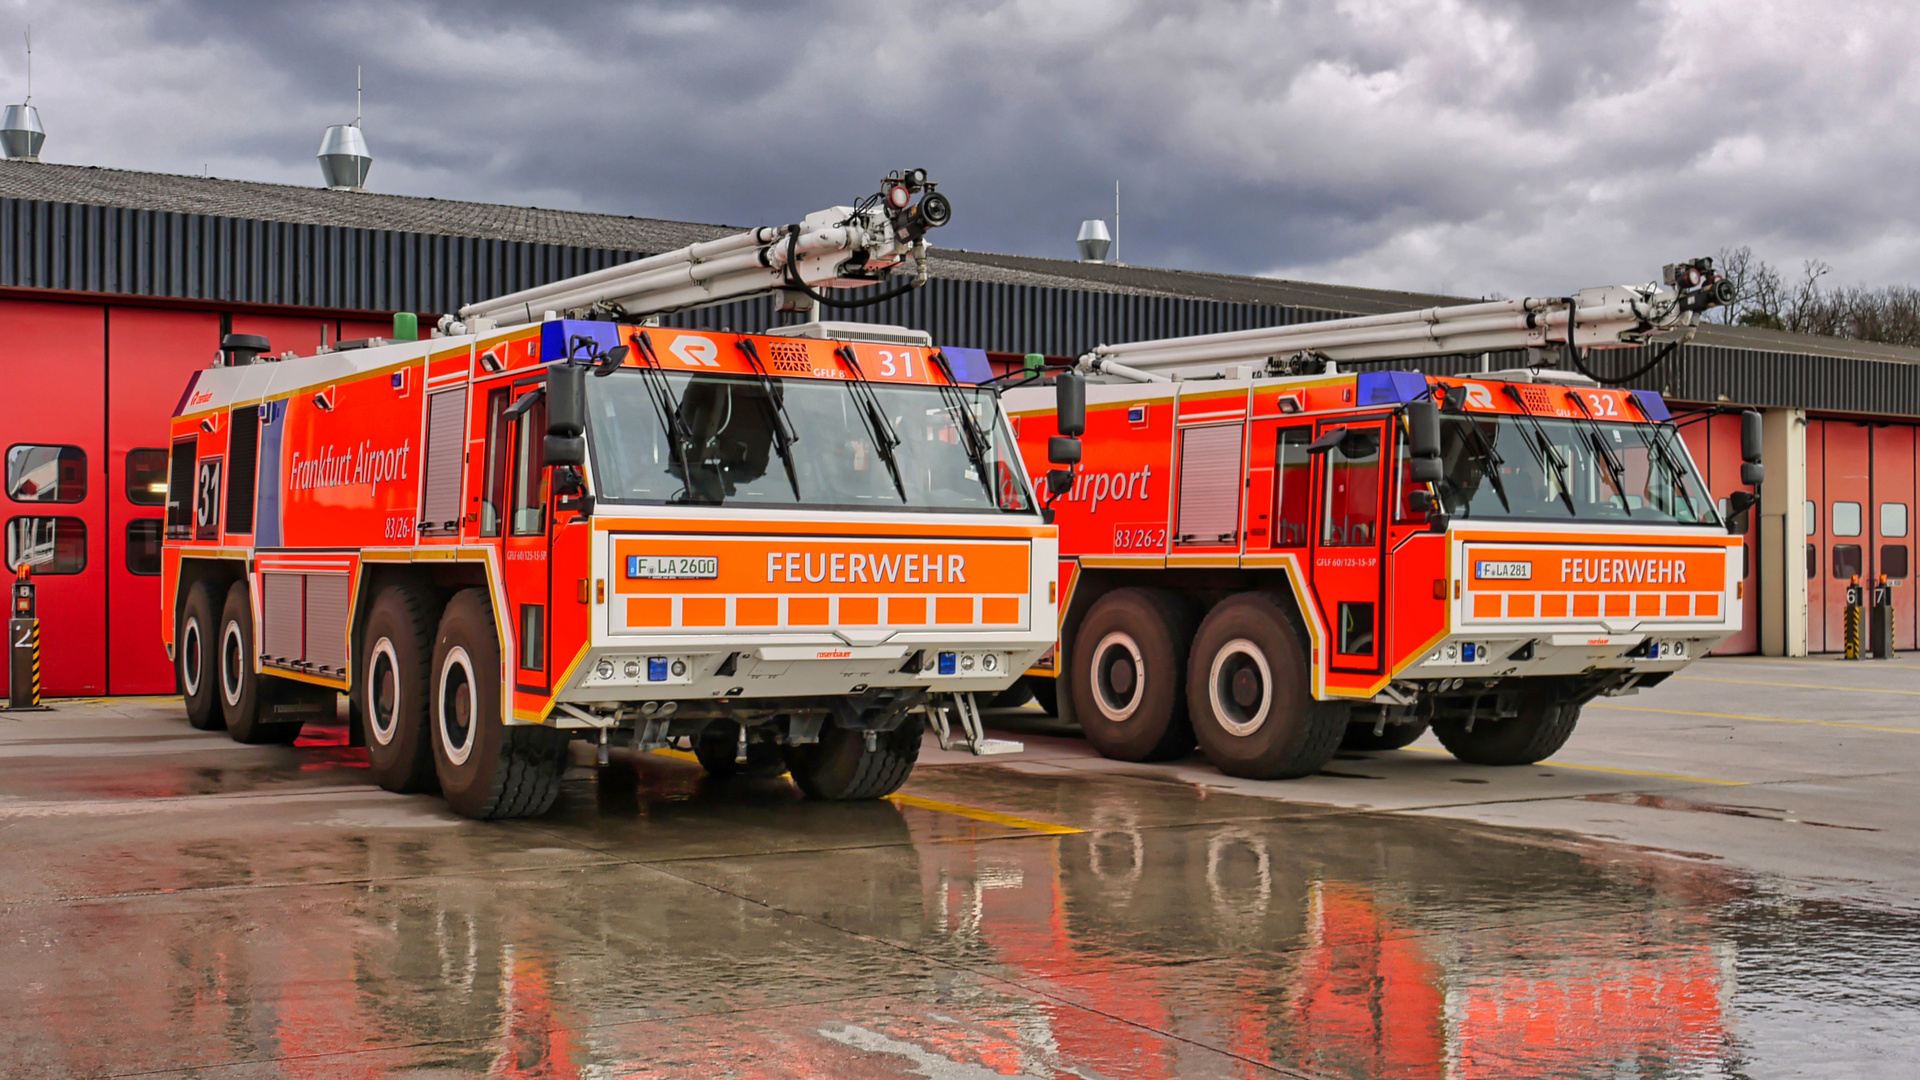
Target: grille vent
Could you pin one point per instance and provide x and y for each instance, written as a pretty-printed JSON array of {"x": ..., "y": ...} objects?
[{"x": 790, "y": 358}]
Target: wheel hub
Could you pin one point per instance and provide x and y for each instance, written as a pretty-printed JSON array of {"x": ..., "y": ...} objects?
[
  {"x": 1240, "y": 687},
  {"x": 1119, "y": 676}
]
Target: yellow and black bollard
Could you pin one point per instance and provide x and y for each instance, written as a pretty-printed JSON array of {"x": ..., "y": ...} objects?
[
  {"x": 1854, "y": 630},
  {"x": 23, "y": 647},
  {"x": 1880, "y": 621}
]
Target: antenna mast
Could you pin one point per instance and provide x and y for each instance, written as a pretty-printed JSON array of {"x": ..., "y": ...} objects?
[
  {"x": 1116, "y": 223},
  {"x": 356, "y": 89},
  {"x": 29, "y": 100}
]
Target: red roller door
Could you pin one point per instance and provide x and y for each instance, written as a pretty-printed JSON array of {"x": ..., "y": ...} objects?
[
  {"x": 151, "y": 352},
  {"x": 1843, "y": 520},
  {"x": 1891, "y": 523},
  {"x": 53, "y": 359}
]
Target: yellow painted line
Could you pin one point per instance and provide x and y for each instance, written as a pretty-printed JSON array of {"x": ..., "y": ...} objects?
[
  {"x": 1556, "y": 764},
  {"x": 1800, "y": 685},
  {"x": 978, "y": 814},
  {"x": 1763, "y": 719},
  {"x": 683, "y": 755}
]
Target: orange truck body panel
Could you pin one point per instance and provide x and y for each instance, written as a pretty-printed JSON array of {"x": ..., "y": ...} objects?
[
  {"x": 348, "y": 446},
  {"x": 1603, "y": 582}
]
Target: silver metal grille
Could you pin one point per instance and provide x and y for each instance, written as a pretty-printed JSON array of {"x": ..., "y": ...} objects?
[
  {"x": 1209, "y": 486},
  {"x": 446, "y": 458},
  {"x": 327, "y": 620},
  {"x": 281, "y": 620}
]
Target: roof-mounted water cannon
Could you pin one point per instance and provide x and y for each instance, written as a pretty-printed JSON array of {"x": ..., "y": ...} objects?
[
  {"x": 1700, "y": 286},
  {"x": 841, "y": 247}
]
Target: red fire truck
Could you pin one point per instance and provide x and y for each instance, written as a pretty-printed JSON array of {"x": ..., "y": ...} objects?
[
  {"x": 792, "y": 550},
  {"x": 1269, "y": 555}
]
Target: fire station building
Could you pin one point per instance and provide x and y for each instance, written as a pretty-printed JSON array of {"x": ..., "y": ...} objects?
[{"x": 115, "y": 285}]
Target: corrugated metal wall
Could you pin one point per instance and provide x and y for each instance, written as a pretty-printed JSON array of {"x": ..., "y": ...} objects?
[
  {"x": 199, "y": 257},
  {"x": 100, "y": 249}
]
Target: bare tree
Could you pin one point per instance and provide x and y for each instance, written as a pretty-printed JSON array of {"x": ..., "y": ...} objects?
[{"x": 1763, "y": 298}]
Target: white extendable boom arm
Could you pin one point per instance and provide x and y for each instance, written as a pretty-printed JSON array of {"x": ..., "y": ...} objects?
[
  {"x": 1610, "y": 317},
  {"x": 840, "y": 247}
]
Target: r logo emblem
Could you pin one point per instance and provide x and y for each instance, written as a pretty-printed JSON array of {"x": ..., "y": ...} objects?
[{"x": 694, "y": 351}]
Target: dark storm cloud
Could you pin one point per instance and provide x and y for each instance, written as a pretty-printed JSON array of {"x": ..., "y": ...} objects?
[{"x": 1474, "y": 145}]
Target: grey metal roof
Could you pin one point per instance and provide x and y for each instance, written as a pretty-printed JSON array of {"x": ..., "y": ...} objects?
[
  {"x": 117, "y": 231},
  {"x": 255, "y": 201}
]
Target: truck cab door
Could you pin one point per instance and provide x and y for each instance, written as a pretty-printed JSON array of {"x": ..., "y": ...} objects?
[
  {"x": 525, "y": 545},
  {"x": 1348, "y": 541}
]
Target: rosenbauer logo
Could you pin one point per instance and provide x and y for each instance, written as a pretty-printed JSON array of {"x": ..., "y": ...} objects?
[{"x": 357, "y": 465}]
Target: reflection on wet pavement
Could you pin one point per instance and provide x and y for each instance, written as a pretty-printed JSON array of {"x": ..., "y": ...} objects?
[{"x": 224, "y": 911}]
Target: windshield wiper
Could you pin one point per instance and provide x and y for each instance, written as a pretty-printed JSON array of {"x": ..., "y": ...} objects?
[
  {"x": 776, "y": 406},
  {"x": 973, "y": 440},
  {"x": 1616, "y": 471},
  {"x": 1490, "y": 460},
  {"x": 1676, "y": 476},
  {"x": 879, "y": 428},
  {"x": 1544, "y": 452},
  {"x": 667, "y": 408}
]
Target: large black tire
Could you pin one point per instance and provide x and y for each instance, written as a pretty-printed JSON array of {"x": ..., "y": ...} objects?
[
  {"x": 194, "y": 648},
  {"x": 840, "y": 767},
  {"x": 487, "y": 770},
  {"x": 396, "y": 679},
  {"x": 1360, "y": 735},
  {"x": 1045, "y": 693},
  {"x": 1129, "y": 664},
  {"x": 1538, "y": 732},
  {"x": 718, "y": 748},
  {"x": 1012, "y": 697},
  {"x": 246, "y": 697},
  {"x": 1250, "y": 694}
]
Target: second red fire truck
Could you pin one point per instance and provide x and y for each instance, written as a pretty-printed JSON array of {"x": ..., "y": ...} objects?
[{"x": 1268, "y": 556}]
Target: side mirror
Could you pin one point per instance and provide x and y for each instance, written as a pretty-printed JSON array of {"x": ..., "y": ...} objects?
[
  {"x": 1750, "y": 437},
  {"x": 566, "y": 402},
  {"x": 1427, "y": 470},
  {"x": 1422, "y": 502},
  {"x": 610, "y": 361},
  {"x": 1753, "y": 474},
  {"x": 1070, "y": 403},
  {"x": 1063, "y": 450},
  {"x": 568, "y": 450},
  {"x": 1738, "y": 504},
  {"x": 1328, "y": 439},
  {"x": 569, "y": 481},
  {"x": 1423, "y": 430},
  {"x": 1059, "y": 482}
]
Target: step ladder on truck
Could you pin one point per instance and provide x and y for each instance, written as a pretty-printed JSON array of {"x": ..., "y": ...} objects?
[
  {"x": 556, "y": 519},
  {"x": 1274, "y": 557}
]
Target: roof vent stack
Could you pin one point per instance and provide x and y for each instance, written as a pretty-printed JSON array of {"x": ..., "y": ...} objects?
[
  {"x": 1094, "y": 241},
  {"x": 344, "y": 160},
  {"x": 20, "y": 130}
]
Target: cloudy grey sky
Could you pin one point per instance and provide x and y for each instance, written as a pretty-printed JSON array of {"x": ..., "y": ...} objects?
[{"x": 1472, "y": 146}]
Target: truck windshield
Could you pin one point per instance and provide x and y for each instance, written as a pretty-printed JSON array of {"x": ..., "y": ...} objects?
[
  {"x": 1513, "y": 469},
  {"x": 731, "y": 453}
]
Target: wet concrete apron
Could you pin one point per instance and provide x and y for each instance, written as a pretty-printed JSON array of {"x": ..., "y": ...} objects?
[{"x": 172, "y": 903}]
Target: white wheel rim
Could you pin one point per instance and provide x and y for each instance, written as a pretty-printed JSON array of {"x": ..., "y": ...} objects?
[
  {"x": 191, "y": 660},
  {"x": 382, "y": 728},
  {"x": 233, "y": 656},
  {"x": 1120, "y": 713},
  {"x": 457, "y": 753},
  {"x": 1227, "y": 711}
]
